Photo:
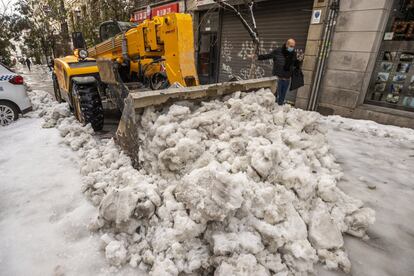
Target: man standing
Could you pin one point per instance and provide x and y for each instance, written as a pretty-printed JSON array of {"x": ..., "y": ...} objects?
[
  {"x": 285, "y": 61},
  {"x": 28, "y": 63}
]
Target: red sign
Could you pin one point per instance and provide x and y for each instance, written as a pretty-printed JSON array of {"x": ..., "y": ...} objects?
[
  {"x": 140, "y": 16},
  {"x": 165, "y": 9}
]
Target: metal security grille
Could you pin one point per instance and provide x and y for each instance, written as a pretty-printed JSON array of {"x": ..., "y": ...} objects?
[{"x": 277, "y": 21}]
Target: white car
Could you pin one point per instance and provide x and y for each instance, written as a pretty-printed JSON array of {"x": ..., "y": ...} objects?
[{"x": 13, "y": 96}]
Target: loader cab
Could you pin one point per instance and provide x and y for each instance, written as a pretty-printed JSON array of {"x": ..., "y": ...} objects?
[
  {"x": 79, "y": 46},
  {"x": 110, "y": 29},
  {"x": 78, "y": 40}
]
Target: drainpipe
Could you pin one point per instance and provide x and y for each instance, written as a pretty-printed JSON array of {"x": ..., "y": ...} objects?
[{"x": 323, "y": 54}]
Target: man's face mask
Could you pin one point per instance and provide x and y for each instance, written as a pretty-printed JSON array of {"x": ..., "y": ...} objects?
[{"x": 290, "y": 49}]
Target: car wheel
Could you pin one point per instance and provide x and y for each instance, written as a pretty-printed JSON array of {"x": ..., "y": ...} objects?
[
  {"x": 8, "y": 113},
  {"x": 56, "y": 89}
]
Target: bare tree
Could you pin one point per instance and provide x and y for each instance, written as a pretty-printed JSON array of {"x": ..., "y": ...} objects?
[
  {"x": 249, "y": 24},
  {"x": 6, "y": 35},
  {"x": 119, "y": 10},
  {"x": 5, "y": 10}
]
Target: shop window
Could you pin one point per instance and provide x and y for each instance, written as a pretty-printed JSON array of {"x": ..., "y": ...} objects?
[{"x": 392, "y": 83}]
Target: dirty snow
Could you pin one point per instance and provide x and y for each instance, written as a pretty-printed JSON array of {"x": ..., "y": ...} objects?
[
  {"x": 368, "y": 128},
  {"x": 227, "y": 186},
  {"x": 236, "y": 187}
]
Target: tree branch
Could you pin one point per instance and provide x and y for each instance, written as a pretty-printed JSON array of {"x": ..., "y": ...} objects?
[
  {"x": 251, "y": 29},
  {"x": 253, "y": 34}
]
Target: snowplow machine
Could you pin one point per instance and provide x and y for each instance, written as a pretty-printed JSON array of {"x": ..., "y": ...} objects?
[{"x": 136, "y": 66}]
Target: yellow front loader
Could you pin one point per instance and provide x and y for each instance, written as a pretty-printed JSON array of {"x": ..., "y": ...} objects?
[{"x": 136, "y": 66}]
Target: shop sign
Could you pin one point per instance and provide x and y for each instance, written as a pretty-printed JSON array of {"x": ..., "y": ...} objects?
[
  {"x": 140, "y": 16},
  {"x": 166, "y": 9}
]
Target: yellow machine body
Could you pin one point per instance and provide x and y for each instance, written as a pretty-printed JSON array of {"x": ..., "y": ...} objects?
[{"x": 70, "y": 66}]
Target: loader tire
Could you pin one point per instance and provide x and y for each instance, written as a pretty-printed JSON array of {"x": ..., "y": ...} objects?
[{"x": 88, "y": 106}]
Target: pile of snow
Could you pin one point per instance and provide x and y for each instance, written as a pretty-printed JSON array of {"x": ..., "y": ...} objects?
[
  {"x": 370, "y": 128},
  {"x": 238, "y": 186}
]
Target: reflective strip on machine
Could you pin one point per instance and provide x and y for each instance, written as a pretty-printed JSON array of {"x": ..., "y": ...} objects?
[{"x": 6, "y": 77}]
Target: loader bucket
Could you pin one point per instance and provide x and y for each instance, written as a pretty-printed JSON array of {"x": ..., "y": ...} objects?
[{"x": 137, "y": 101}]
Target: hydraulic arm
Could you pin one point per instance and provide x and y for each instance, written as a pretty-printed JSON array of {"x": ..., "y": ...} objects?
[{"x": 161, "y": 45}]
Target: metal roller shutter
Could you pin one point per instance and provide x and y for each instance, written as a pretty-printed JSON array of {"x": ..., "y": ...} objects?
[{"x": 277, "y": 20}]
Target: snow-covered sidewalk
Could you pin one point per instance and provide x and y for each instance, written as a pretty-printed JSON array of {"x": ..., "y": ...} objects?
[
  {"x": 43, "y": 214},
  {"x": 378, "y": 166}
]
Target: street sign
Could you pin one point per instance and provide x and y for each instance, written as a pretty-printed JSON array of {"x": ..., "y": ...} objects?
[
  {"x": 316, "y": 16},
  {"x": 389, "y": 36}
]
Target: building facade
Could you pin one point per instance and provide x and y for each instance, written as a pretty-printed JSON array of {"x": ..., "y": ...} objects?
[
  {"x": 223, "y": 45},
  {"x": 359, "y": 54},
  {"x": 368, "y": 72}
]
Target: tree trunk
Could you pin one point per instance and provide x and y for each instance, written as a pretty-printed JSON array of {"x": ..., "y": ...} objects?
[{"x": 64, "y": 29}]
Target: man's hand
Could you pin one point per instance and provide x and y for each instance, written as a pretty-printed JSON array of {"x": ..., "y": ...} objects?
[
  {"x": 252, "y": 56},
  {"x": 300, "y": 55}
]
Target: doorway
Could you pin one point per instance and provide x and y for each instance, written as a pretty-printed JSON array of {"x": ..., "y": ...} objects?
[
  {"x": 208, "y": 57},
  {"x": 208, "y": 47}
]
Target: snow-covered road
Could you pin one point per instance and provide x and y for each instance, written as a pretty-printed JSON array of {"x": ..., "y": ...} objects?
[{"x": 44, "y": 215}]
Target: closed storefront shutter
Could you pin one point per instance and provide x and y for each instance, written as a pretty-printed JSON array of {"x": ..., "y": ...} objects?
[{"x": 277, "y": 20}]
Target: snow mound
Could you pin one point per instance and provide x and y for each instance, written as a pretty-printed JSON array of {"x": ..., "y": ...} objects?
[
  {"x": 237, "y": 186},
  {"x": 370, "y": 128},
  {"x": 45, "y": 106}
]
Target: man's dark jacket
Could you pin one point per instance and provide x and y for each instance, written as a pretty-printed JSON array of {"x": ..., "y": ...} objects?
[{"x": 284, "y": 62}]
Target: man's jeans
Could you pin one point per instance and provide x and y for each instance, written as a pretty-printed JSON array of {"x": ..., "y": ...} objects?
[{"x": 282, "y": 88}]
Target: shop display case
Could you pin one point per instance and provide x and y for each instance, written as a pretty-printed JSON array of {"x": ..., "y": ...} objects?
[{"x": 392, "y": 82}]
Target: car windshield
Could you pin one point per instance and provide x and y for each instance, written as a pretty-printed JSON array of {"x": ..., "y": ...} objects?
[
  {"x": 125, "y": 26},
  {"x": 5, "y": 68}
]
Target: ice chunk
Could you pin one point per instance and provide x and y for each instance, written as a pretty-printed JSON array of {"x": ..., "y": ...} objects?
[
  {"x": 211, "y": 191},
  {"x": 115, "y": 253},
  {"x": 323, "y": 233}
]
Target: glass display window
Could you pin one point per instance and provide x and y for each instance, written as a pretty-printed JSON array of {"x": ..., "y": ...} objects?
[{"x": 392, "y": 81}]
